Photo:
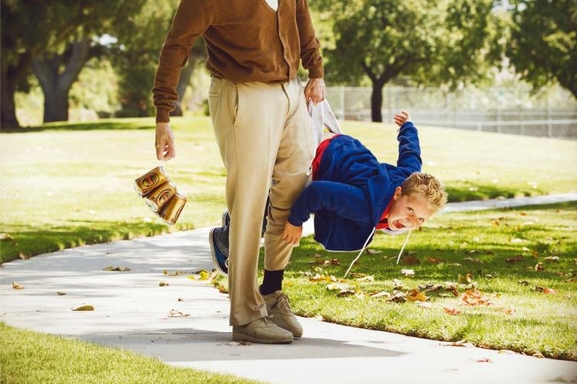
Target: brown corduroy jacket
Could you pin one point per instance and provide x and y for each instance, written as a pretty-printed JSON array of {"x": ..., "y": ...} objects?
[{"x": 246, "y": 40}]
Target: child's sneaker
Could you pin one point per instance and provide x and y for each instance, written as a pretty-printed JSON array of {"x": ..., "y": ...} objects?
[{"x": 219, "y": 254}]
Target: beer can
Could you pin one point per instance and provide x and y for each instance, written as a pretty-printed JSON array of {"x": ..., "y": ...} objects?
[
  {"x": 152, "y": 179},
  {"x": 160, "y": 196},
  {"x": 173, "y": 208}
]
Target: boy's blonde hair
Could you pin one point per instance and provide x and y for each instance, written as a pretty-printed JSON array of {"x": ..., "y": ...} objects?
[{"x": 427, "y": 185}]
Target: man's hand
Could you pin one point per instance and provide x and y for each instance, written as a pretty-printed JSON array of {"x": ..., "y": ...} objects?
[
  {"x": 292, "y": 234},
  {"x": 402, "y": 117},
  {"x": 315, "y": 90},
  {"x": 164, "y": 142}
]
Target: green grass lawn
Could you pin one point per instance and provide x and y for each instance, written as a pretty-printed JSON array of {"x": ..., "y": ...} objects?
[
  {"x": 498, "y": 279},
  {"x": 65, "y": 185},
  {"x": 29, "y": 358}
]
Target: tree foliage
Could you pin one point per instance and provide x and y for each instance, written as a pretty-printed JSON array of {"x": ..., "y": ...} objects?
[
  {"x": 429, "y": 41},
  {"x": 136, "y": 56},
  {"x": 543, "y": 44},
  {"x": 55, "y": 37}
]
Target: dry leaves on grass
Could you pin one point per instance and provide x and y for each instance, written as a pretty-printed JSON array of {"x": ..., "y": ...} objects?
[
  {"x": 415, "y": 295},
  {"x": 451, "y": 311},
  {"x": 474, "y": 298}
]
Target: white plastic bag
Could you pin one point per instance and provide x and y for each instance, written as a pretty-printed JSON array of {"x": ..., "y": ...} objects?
[{"x": 323, "y": 116}]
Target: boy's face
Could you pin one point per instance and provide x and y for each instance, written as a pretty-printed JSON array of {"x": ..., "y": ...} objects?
[{"x": 408, "y": 211}]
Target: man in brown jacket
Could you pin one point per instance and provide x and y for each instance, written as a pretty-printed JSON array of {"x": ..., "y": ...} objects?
[{"x": 264, "y": 133}]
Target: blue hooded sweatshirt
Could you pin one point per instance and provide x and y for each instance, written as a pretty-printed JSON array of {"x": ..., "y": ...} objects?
[{"x": 353, "y": 189}]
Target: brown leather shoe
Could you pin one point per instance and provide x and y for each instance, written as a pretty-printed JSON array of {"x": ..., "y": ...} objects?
[
  {"x": 261, "y": 331},
  {"x": 279, "y": 312}
]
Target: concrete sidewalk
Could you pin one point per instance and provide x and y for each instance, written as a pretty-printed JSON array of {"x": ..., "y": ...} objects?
[{"x": 185, "y": 321}]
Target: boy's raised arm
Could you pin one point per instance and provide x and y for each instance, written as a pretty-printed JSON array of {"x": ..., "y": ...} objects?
[{"x": 409, "y": 148}]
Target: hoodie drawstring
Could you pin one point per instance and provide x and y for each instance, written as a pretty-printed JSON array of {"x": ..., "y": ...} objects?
[
  {"x": 360, "y": 253},
  {"x": 365, "y": 246}
]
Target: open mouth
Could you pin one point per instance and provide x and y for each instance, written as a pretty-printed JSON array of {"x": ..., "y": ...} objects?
[{"x": 398, "y": 225}]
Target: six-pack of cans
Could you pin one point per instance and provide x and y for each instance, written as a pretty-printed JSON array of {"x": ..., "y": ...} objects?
[{"x": 160, "y": 194}]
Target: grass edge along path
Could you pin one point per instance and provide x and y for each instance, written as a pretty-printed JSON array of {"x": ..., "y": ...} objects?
[{"x": 28, "y": 357}]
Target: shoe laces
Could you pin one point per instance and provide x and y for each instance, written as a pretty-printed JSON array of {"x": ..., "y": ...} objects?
[{"x": 283, "y": 302}]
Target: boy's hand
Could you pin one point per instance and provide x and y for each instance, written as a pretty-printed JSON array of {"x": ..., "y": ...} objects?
[
  {"x": 402, "y": 117},
  {"x": 292, "y": 234}
]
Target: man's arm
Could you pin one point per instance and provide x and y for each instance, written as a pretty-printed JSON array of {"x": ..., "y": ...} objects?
[
  {"x": 174, "y": 53},
  {"x": 310, "y": 55}
]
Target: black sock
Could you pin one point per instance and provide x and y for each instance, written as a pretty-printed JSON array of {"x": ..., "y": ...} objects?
[{"x": 272, "y": 282}]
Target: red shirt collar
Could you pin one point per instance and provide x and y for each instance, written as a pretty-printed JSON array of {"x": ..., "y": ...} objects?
[{"x": 383, "y": 221}]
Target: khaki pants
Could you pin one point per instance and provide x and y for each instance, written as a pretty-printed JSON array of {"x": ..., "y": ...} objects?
[{"x": 265, "y": 137}]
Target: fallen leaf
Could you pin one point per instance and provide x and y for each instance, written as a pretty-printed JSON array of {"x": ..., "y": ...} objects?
[
  {"x": 424, "y": 305},
  {"x": 552, "y": 258},
  {"x": 465, "y": 279},
  {"x": 366, "y": 279},
  {"x": 507, "y": 352},
  {"x": 116, "y": 269},
  {"x": 175, "y": 313},
  {"x": 474, "y": 298},
  {"x": 346, "y": 292},
  {"x": 339, "y": 287},
  {"x": 483, "y": 360},
  {"x": 5, "y": 236},
  {"x": 408, "y": 272},
  {"x": 381, "y": 294},
  {"x": 460, "y": 343},
  {"x": 451, "y": 311},
  {"x": 433, "y": 260},
  {"x": 514, "y": 259},
  {"x": 410, "y": 260},
  {"x": 322, "y": 278},
  {"x": 509, "y": 311},
  {"x": 61, "y": 293},
  {"x": 549, "y": 291},
  {"x": 539, "y": 267},
  {"x": 398, "y": 297},
  {"x": 17, "y": 286},
  {"x": 204, "y": 275},
  {"x": 163, "y": 284},
  {"x": 84, "y": 308},
  {"x": 415, "y": 295}
]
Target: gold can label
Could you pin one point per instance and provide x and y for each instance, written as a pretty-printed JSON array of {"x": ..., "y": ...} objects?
[
  {"x": 151, "y": 180},
  {"x": 160, "y": 196},
  {"x": 173, "y": 208}
]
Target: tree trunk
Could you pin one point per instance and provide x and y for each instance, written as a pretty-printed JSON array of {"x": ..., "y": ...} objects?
[
  {"x": 55, "y": 83},
  {"x": 8, "y": 118},
  {"x": 377, "y": 101}
]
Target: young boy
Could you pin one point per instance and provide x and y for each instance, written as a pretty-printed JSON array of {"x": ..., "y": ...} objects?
[{"x": 352, "y": 194}]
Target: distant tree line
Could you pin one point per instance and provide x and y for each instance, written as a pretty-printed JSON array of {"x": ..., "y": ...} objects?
[{"x": 445, "y": 43}]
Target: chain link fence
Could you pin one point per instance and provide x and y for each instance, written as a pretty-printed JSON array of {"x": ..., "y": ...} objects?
[{"x": 513, "y": 110}]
